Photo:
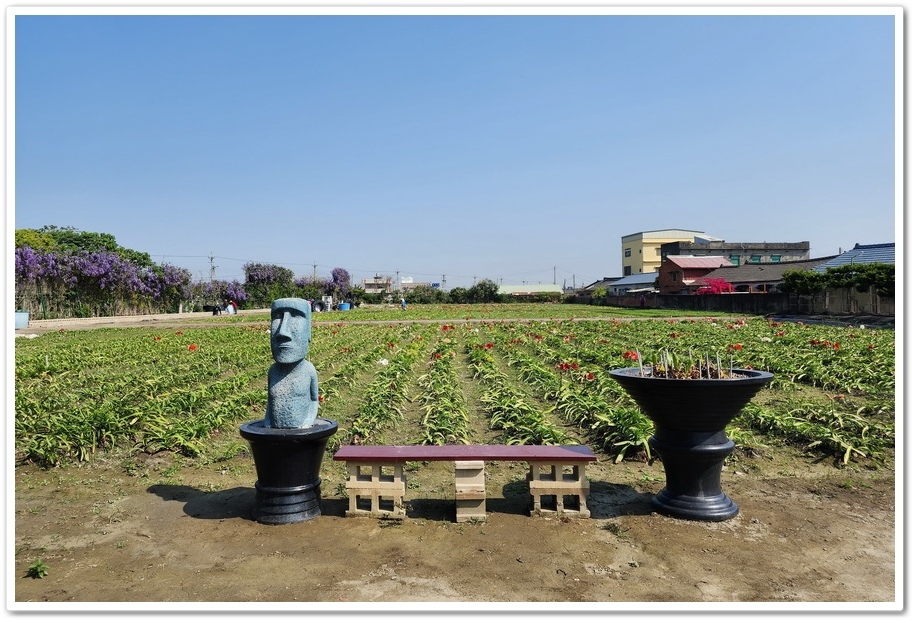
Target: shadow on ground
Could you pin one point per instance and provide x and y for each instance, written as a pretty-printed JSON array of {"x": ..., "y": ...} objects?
[{"x": 605, "y": 501}]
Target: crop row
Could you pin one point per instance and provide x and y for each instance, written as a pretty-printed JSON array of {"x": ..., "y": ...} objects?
[{"x": 540, "y": 382}]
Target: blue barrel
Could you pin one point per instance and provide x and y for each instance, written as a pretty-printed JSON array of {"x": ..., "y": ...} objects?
[{"x": 344, "y": 307}]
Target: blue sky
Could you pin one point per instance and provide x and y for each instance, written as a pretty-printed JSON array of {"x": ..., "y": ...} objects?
[{"x": 519, "y": 148}]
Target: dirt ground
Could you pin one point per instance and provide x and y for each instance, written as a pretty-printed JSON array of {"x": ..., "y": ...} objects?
[{"x": 161, "y": 533}]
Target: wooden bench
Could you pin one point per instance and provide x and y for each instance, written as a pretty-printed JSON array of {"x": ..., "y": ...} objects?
[{"x": 376, "y": 474}]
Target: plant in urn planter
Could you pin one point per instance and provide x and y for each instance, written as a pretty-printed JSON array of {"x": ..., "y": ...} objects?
[
  {"x": 288, "y": 444},
  {"x": 690, "y": 405}
]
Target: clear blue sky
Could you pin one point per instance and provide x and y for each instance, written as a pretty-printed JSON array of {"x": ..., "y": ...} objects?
[{"x": 517, "y": 148}]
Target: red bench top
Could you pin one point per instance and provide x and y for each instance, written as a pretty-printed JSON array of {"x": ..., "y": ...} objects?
[{"x": 465, "y": 453}]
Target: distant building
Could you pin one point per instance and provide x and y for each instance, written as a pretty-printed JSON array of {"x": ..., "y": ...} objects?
[
  {"x": 408, "y": 284},
  {"x": 601, "y": 283},
  {"x": 861, "y": 254},
  {"x": 741, "y": 252},
  {"x": 642, "y": 251},
  {"x": 760, "y": 278},
  {"x": 377, "y": 285},
  {"x": 632, "y": 284},
  {"x": 682, "y": 274},
  {"x": 532, "y": 291}
]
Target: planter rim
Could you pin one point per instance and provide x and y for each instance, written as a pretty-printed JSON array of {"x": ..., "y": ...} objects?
[
  {"x": 256, "y": 430},
  {"x": 748, "y": 376}
]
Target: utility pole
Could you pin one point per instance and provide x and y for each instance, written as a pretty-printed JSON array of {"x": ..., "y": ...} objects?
[
  {"x": 443, "y": 283},
  {"x": 554, "y": 275},
  {"x": 314, "y": 270},
  {"x": 212, "y": 267}
]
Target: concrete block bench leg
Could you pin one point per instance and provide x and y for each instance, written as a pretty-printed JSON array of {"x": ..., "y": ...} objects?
[
  {"x": 384, "y": 485},
  {"x": 470, "y": 491},
  {"x": 561, "y": 481}
]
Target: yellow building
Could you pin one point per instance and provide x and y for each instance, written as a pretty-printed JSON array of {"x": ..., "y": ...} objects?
[{"x": 642, "y": 252}]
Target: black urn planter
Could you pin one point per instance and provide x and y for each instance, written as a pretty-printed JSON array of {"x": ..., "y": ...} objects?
[
  {"x": 288, "y": 464},
  {"x": 690, "y": 416}
]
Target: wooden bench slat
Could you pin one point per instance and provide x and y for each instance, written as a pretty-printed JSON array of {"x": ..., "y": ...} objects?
[{"x": 465, "y": 453}]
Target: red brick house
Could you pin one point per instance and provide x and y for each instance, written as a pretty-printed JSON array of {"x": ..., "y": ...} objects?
[{"x": 682, "y": 274}]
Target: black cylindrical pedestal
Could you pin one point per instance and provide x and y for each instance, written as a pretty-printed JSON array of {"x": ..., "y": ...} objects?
[
  {"x": 693, "y": 474},
  {"x": 288, "y": 464}
]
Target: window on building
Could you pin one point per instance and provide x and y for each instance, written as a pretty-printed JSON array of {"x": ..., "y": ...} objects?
[
  {"x": 658, "y": 251},
  {"x": 735, "y": 259},
  {"x": 755, "y": 259},
  {"x": 674, "y": 275},
  {"x": 627, "y": 270},
  {"x": 775, "y": 258},
  {"x": 627, "y": 252}
]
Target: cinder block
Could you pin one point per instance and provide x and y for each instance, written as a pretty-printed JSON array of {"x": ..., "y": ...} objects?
[
  {"x": 382, "y": 485},
  {"x": 563, "y": 484},
  {"x": 470, "y": 491}
]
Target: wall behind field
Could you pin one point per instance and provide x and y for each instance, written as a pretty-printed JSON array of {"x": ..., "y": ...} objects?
[{"x": 833, "y": 301}]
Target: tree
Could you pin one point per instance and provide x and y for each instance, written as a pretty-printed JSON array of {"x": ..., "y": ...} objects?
[
  {"x": 458, "y": 295},
  {"x": 34, "y": 239},
  {"x": 858, "y": 276},
  {"x": 340, "y": 280},
  {"x": 715, "y": 285},
  {"x": 266, "y": 282},
  {"x": 484, "y": 291},
  {"x": 802, "y": 282},
  {"x": 425, "y": 294},
  {"x": 862, "y": 277},
  {"x": 72, "y": 240}
]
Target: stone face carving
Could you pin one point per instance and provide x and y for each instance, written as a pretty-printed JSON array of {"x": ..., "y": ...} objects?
[{"x": 292, "y": 381}]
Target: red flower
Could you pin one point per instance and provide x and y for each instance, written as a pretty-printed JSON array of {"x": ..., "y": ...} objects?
[
  {"x": 192, "y": 347},
  {"x": 179, "y": 332},
  {"x": 320, "y": 397},
  {"x": 590, "y": 377},
  {"x": 674, "y": 335},
  {"x": 836, "y": 346},
  {"x": 871, "y": 345},
  {"x": 157, "y": 338},
  {"x": 631, "y": 354},
  {"x": 735, "y": 347},
  {"x": 780, "y": 333},
  {"x": 488, "y": 345}
]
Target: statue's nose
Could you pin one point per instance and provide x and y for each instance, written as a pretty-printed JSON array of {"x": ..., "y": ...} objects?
[{"x": 284, "y": 329}]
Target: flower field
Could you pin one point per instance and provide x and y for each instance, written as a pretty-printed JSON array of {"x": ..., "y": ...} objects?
[{"x": 482, "y": 379}]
